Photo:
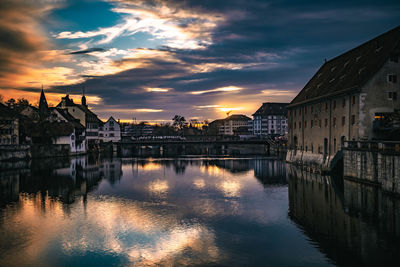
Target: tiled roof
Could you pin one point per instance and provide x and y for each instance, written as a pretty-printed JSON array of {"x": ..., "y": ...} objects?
[
  {"x": 351, "y": 70},
  {"x": 70, "y": 118},
  {"x": 270, "y": 108}
]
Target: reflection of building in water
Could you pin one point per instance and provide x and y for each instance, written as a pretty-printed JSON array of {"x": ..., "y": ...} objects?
[
  {"x": 63, "y": 178},
  {"x": 269, "y": 171},
  {"x": 111, "y": 169},
  {"x": 335, "y": 223},
  {"x": 9, "y": 187},
  {"x": 231, "y": 165}
]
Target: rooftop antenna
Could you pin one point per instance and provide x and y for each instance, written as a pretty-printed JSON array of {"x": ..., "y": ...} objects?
[{"x": 325, "y": 60}]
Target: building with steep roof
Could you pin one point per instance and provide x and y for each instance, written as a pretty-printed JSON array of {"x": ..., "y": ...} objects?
[
  {"x": 346, "y": 99},
  {"x": 85, "y": 116},
  {"x": 76, "y": 138},
  {"x": 269, "y": 119},
  {"x": 110, "y": 131}
]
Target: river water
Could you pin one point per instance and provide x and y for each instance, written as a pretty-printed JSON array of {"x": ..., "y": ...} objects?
[{"x": 190, "y": 212}]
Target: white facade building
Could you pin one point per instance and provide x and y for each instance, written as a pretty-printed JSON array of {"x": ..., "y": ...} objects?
[
  {"x": 270, "y": 119},
  {"x": 110, "y": 131}
]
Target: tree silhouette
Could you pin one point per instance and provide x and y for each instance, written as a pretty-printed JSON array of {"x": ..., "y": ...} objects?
[{"x": 179, "y": 121}]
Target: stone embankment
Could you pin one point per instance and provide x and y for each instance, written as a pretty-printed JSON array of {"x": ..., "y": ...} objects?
[{"x": 375, "y": 163}]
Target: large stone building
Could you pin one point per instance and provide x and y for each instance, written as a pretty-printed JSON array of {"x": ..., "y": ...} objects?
[
  {"x": 269, "y": 119},
  {"x": 347, "y": 99}
]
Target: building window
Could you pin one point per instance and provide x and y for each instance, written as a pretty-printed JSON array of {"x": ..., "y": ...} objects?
[
  {"x": 353, "y": 99},
  {"x": 326, "y": 122},
  {"x": 312, "y": 109},
  {"x": 305, "y": 124},
  {"x": 392, "y": 78},
  {"x": 344, "y": 102},
  {"x": 353, "y": 119},
  {"x": 311, "y": 123},
  {"x": 334, "y": 122},
  {"x": 299, "y": 125},
  {"x": 305, "y": 110},
  {"x": 334, "y": 104},
  {"x": 394, "y": 58},
  {"x": 319, "y": 123},
  {"x": 392, "y": 95},
  {"x": 326, "y": 106},
  {"x": 343, "y": 120}
]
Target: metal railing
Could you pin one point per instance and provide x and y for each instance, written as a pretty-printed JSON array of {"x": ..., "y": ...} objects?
[{"x": 382, "y": 146}]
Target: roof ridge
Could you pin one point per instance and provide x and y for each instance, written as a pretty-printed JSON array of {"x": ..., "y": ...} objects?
[{"x": 362, "y": 44}]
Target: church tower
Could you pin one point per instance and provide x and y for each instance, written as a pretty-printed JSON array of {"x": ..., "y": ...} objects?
[
  {"x": 83, "y": 100},
  {"x": 43, "y": 107}
]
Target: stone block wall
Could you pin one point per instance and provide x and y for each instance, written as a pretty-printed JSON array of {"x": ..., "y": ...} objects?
[{"x": 379, "y": 167}]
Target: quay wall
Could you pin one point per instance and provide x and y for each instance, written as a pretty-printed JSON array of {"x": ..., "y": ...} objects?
[
  {"x": 22, "y": 152},
  {"x": 14, "y": 152},
  {"x": 376, "y": 163},
  {"x": 312, "y": 161}
]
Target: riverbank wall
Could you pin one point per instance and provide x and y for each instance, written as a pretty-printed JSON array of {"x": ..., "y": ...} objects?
[
  {"x": 376, "y": 163},
  {"x": 314, "y": 162},
  {"x": 23, "y": 152}
]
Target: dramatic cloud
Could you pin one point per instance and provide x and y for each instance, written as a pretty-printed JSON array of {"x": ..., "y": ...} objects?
[
  {"x": 88, "y": 51},
  {"x": 152, "y": 59},
  {"x": 221, "y": 89}
]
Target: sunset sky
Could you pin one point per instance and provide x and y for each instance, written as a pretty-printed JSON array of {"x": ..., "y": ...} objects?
[{"x": 197, "y": 58}]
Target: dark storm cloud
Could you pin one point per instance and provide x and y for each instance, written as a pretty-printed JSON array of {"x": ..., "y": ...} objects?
[{"x": 87, "y": 51}]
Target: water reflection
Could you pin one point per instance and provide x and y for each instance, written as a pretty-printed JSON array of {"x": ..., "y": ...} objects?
[
  {"x": 354, "y": 224},
  {"x": 196, "y": 211}
]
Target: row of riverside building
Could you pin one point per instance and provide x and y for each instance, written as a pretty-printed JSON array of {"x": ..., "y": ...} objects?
[
  {"x": 69, "y": 124},
  {"x": 269, "y": 120}
]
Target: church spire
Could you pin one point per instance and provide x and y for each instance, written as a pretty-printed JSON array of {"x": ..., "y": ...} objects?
[
  {"x": 83, "y": 100},
  {"x": 43, "y": 107}
]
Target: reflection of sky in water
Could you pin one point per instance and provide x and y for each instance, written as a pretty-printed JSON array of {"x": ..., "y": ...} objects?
[{"x": 155, "y": 214}]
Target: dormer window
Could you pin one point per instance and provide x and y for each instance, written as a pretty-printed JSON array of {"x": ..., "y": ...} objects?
[
  {"x": 347, "y": 63},
  {"x": 358, "y": 58},
  {"x": 333, "y": 69},
  {"x": 392, "y": 78}
]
